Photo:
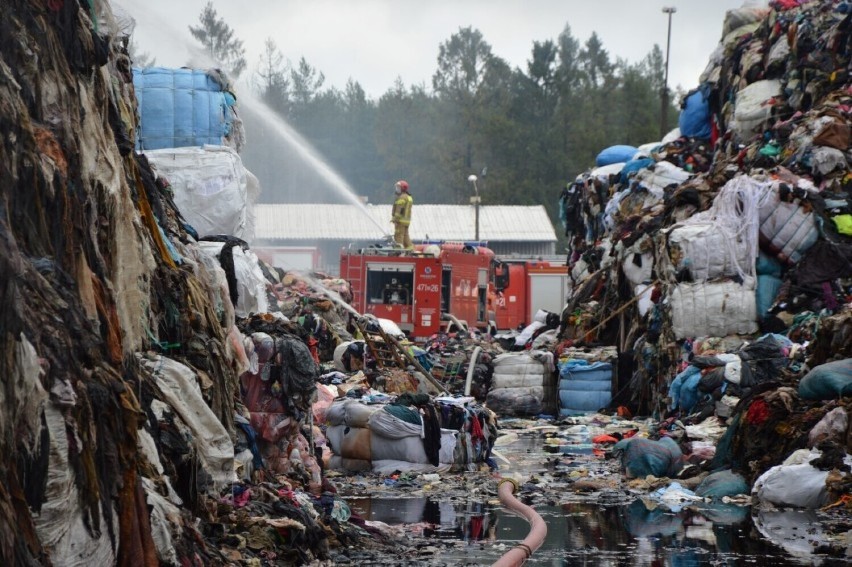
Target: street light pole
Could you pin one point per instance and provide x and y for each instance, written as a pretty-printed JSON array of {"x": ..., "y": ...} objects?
[
  {"x": 664, "y": 102},
  {"x": 475, "y": 200}
]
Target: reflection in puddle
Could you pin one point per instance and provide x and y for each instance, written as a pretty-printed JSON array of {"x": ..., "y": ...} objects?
[{"x": 590, "y": 534}]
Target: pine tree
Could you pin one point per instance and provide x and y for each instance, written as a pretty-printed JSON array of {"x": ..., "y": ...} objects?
[{"x": 218, "y": 40}]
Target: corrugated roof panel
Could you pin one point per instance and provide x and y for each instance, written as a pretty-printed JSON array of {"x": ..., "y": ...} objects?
[{"x": 440, "y": 222}]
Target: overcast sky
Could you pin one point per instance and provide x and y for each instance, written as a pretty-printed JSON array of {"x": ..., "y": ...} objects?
[{"x": 376, "y": 41}]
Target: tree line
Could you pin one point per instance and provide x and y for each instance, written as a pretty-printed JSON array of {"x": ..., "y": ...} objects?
[{"x": 523, "y": 132}]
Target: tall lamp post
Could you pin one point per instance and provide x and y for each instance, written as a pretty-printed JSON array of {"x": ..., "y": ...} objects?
[
  {"x": 475, "y": 200},
  {"x": 664, "y": 106}
]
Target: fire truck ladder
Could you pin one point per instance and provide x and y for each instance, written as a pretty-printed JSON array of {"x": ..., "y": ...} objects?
[{"x": 388, "y": 353}]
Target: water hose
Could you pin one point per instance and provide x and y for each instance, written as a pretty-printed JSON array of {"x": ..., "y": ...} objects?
[
  {"x": 471, "y": 366},
  {"x": 453, "y": 319},
  {"x": 519, "y": 554}
]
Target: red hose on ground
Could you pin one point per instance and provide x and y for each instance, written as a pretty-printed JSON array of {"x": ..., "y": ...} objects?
[{"x": 519, "y": 554}]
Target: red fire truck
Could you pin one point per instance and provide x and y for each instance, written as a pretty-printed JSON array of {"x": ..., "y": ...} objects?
[{"x": 425, "y": 289}]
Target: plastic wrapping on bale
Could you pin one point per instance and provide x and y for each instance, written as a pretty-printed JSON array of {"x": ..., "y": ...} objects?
[
  {"x": 584, "y": 387},
  {"x": 183, "y": 107},
  {"x": 708, "y": 250},
  {"x": 787, "y": 229},
  {"x": 753, "y": 108},
  {"x": 515, "y": 401},
  {"x": 713, "y": 309},
  {"x": 832, "y": 427},
  {"x": 211, "y": 188},
  {"x": 796, "y": 482}
]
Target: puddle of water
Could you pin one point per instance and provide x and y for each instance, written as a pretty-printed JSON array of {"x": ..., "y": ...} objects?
[{"x": 589, "y": 534}]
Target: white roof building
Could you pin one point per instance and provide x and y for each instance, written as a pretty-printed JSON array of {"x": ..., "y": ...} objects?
[{"x": 507, "y": 229}]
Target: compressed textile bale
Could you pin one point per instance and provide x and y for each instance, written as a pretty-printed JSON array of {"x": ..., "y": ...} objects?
[
  {"x": 211, "y": 187},
  {"x": 713, "y": 309},
  {"x": 517, "y": 380},
  {"x": 350, "y": 442},
  {"x": 515, "y": 401},
  {"x": 409, "y": 449},
  {"x": 799, "y": 486},
  {"x": 385, "y": 424},
  {"x": 350, "y": 412},
  {"x": 584, "y": 387},
  {"x": 709, "y": 251},
  {"x": 181, "y": 107},
  {"x": 787, "y": 230}
]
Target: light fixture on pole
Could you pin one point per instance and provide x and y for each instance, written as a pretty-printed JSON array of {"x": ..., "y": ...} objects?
[
  {"x": 475, "y": 200},
  {"x": 664, "y": 102}
]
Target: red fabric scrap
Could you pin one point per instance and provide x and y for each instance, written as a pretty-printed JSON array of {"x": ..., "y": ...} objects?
[{"x": 758, "y": 413}]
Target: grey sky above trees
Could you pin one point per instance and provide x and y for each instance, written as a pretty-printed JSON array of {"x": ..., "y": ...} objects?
[{"x": 375, "y": 42}]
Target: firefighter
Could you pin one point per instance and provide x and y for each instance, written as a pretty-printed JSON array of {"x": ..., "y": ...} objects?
[{"x": 402, "y": 215}]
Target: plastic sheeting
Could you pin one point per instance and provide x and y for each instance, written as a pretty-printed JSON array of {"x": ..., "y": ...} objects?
[
  {"x": 251, "y": 284},
  {"x": 165, "y": 517},
  {"x": 752, "y": 109},
  {"x": 517, "y": 384},
  {"x": 179, "y": 387},
  {"x": 795, "y": 483},
  {"x": 211, "y": 188},
  {"x": 694, "y": 120},
  {"x": 61, "y": 526},
  {"x": 713, "y": 309},
  {"x": 787, "y": 230}
]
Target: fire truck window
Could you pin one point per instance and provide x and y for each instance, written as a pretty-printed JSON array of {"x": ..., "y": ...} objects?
[
  {"x": 500, "y": 271},
  {"x": 389, "y": 287}
]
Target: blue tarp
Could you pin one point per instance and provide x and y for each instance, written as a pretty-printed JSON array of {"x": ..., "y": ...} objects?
[
  {"x": 694, "y": 121},
  {"x": 180, "y": 108},
  {"x": 615, "y": 154}
]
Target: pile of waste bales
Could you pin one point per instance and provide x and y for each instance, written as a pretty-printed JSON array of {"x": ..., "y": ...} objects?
[{"x": 718, "y": 262}]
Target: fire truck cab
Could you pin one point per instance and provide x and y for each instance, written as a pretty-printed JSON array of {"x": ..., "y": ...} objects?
[{"x": 415, "y": 288}]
